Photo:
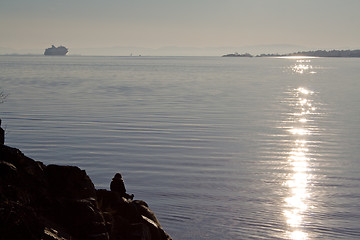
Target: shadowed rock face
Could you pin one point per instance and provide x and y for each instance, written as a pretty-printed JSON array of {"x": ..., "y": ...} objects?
[{"x": 60, "y": 202}]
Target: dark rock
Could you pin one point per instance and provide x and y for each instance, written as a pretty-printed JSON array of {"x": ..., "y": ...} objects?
[
  {"x": 60, "y": 202},
  {"x": 8, "y": 171},
  {"x": 69, "y": 182},
  {"x": 126, "y": 215},
  {"x": 18, "y": 221}
]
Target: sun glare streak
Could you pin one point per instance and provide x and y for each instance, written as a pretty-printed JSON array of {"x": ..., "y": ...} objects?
[
  {"x": 298, "y": 235},
  {"x": 299, "y": 131},
  {"x": 302, "y": 66},
  {"x": 303, "y": 101},
  {"x": 303, "y": 91},
  {"x": 296, "y": 204},
  {"x": 301, "y": 58},
  {"x": 303, "y": 120}
]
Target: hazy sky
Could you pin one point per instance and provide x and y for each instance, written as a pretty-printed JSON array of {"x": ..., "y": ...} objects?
[{"x": 196, "y": 23}]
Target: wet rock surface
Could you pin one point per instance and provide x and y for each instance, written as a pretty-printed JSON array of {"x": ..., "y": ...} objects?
[{"x": 60, "y": 202}]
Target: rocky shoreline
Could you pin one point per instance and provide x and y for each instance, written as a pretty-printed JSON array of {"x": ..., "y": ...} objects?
[{"x": 53, "y": 202}]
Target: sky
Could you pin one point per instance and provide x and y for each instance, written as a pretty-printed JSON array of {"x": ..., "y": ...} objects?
[{"x": 122, "y": 25}]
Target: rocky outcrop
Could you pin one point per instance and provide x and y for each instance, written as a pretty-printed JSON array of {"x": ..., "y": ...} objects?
[{"x": 60, "y": 202}]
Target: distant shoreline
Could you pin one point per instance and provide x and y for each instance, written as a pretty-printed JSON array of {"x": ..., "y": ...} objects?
[{"x": 317, "y": 53}]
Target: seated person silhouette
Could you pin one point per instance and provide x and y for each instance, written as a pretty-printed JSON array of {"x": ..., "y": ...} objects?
[{"x": 117, "y": 185}]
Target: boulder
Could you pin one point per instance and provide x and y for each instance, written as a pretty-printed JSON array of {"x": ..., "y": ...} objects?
[
  {"x": 129, "y": 219},
  {"x": 61, "y": 203}
]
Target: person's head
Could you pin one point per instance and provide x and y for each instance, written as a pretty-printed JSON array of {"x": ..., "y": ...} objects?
[{"x": 117, "y": 176}]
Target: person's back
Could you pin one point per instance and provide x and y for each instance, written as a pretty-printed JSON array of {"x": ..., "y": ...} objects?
[{"x": 117, "y": 185}]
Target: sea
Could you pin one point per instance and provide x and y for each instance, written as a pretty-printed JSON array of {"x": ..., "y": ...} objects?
[{"x": 220, "y": 148}]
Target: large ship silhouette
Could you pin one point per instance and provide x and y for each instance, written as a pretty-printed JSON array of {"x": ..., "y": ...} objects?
[{"x": 56, "y": 51}]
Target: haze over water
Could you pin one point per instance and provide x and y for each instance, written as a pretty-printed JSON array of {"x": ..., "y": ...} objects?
[{"x": 220, "y": 148}]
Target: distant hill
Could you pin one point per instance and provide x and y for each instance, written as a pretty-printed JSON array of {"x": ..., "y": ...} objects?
[
  {"x": 319, "y": 53},
  {"x": 238, "y": 55},
  {"x": 332, "y": 53}
]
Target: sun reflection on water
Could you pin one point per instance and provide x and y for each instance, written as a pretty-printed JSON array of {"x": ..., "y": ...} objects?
[
  {"x": 297, "y": 202},
  {"x": 302, "y": 66}
]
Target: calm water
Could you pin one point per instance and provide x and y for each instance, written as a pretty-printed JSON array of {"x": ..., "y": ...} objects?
[{"x": 220, "y": 148}]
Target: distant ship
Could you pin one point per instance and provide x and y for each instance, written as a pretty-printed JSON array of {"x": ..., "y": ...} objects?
[{"x": 56, "y": 51}]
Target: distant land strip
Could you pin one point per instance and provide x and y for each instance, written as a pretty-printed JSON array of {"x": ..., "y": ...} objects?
[{"x": 317, "y": 53}]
